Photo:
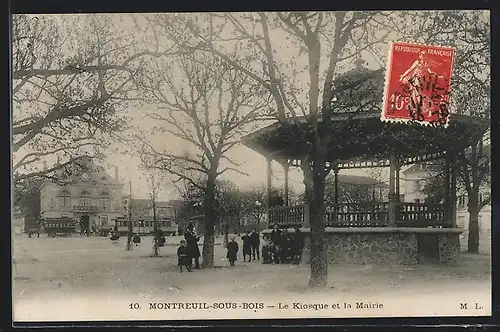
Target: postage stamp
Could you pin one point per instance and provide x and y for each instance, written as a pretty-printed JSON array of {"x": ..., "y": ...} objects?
[
  {"x": 418, "y": 84},
  {"x": 223, "y": 166}
]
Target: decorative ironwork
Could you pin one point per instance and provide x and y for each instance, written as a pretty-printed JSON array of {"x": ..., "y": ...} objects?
[
  {"x": 352, "y": 164},
  {"x": 287, "y": 215},
  {"x": 358, "y": 215},
  {"x": 374, "y": 214},
  {"x": 422, "y": 215}
]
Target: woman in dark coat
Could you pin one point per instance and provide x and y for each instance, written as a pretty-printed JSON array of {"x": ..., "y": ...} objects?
[
  {"x": 182, "y": 256},
  {"x": 247, "y": 247},
  {"x": 232, "y": 251},
  {"x": 192, "y": 246}
]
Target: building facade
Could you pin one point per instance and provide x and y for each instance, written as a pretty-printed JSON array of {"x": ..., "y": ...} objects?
[
  {"x": 91, "y": 197},
  {"x": 415, "y": 178},
  {"x": 414, "y": 182}
]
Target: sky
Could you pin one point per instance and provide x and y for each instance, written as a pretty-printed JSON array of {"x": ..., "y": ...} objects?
[{"x": 250, "y": 162}]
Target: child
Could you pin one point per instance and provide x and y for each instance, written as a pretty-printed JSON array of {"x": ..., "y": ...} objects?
[
  {"x": 247, "y": 247},
  {"x": 232, "y": 251},
  {"x": 136, "y": 239},
  {"x": 182, "y": 255},
  {"x": 114, "y": 237},
  {"x": 266, "y": 251}
]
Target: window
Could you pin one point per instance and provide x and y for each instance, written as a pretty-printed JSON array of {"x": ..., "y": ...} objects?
[
  {"x": 462, "y": 201},
  {"x": 85, "y": 199},
  {"x": 417, "y": 185},
  {"x": 104, "y": 201},
  {"x": 104, "y": 220},
  {"x": 65, "y": 199}
]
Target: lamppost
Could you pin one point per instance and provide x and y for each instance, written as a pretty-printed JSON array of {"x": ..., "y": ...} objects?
[
  {"x": 129, "y": 246},
  {"x": 258, "y": 204},
  {"x": 155, "y": 222}
]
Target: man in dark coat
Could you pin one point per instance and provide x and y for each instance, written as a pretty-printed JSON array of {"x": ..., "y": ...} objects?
[
  {"x": 298, "y": 245},
  {"x": 160, "y": 238},
  {"x": 192, "y": 246},
  {"x": 247, "y": 247},
  {"x": 276, "y": 240},
  {"x": 232, "y": 251},
  {"x": 255, "y": 243}
]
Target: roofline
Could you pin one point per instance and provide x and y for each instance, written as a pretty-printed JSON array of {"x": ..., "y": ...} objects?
[{"x": 339, "y": 116}]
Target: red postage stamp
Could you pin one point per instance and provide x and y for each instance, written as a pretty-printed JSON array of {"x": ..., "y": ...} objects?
[{"x": 418, "y": 84}]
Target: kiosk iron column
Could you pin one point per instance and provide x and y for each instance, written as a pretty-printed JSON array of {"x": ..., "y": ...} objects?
[
  {"x": 336, "y": 193},
  {"x": 392, "y": 191},
  {"x": 453, "y": 193},
  {"x": 286, "y": 168},
  {"x": 269, "y": 181}
]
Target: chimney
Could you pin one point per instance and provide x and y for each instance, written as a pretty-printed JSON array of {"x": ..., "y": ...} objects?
[
  {"x": 58, "y": 160},
  {"x": 45, "y": 165},
  {"x": 116, "y": 173}
]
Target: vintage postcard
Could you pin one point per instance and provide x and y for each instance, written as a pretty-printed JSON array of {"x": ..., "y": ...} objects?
[{"x": 251, "y": 165}]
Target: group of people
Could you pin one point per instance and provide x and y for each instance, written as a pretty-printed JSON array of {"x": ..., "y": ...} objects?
[
  {"x": 188, "y": 251},
  {"x": 251, "y": 247},
  {"x": 279, "y": 247},
  {"x": 283, "y": 247}
]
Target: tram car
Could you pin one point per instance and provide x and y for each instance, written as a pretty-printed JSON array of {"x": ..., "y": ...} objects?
[
  {"x": 59, "y": 227},
  {"x": 146, "y": 227}
]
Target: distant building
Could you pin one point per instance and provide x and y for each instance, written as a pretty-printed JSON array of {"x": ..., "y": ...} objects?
[
  {"x": 144, "y": 215},
  {"x": 414, "y": 182},
  {"x": 91, "y": 197},
  {"x": 143, "y": 209},
  {"x": 357, "y": 189},
  {"x": 415, "y": 178},
  {"x": 17, "y": 221},
  {"x": 484, "y": 217}
]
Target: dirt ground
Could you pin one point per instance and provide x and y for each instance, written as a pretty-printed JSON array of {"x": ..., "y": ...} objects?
[{"x": 54, "y": 270}]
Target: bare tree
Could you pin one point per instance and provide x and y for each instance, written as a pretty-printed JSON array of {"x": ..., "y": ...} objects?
[
  {"x": 469, "y": 33},
  {"x": 473, "y": 168},
  {"x": 208, "y": 106},
  {"x": 298, "y": 57},
  {"x": 154, "y": 180},
  {"x": 254, "y": 203},
  {"x": 311, "y": 39},
  {"x": 73, "y": 77}
]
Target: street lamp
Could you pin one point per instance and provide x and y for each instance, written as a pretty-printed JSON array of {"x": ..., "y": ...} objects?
[{"x": 258, "y": 204}]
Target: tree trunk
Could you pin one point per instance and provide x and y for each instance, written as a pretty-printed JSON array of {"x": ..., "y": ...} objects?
[
  {"x": 156, "y": 252},
  {"x": 209, "y": 225},
  {"x": 473, "y": 238},
  {"x": 319, "y": 259}
]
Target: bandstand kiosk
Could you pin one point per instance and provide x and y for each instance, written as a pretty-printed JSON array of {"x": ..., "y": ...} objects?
[{"x": 380, "y": 232}]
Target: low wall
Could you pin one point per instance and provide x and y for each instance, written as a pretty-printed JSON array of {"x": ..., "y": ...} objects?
[{"x": 388, "y": 245}]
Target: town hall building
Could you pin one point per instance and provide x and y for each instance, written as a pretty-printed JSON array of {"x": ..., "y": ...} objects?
[{"x": 90, "y": 197}]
